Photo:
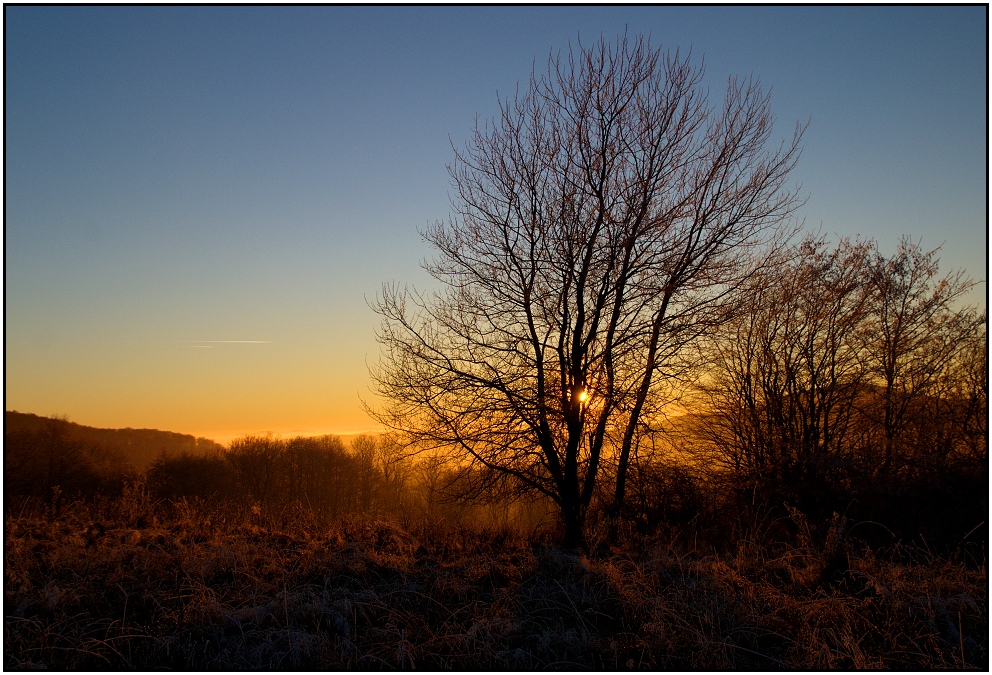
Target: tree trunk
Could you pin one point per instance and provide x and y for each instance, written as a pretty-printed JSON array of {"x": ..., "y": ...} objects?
[
  {"x": 642, "y": 393},
  {"x": 573, "y": 517}
]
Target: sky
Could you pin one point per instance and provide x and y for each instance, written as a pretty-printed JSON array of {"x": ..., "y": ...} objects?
[{"x": 201, "y": 202}]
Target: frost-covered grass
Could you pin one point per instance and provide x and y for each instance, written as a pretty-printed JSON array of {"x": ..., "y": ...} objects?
[{"x": 130, "y": 584}]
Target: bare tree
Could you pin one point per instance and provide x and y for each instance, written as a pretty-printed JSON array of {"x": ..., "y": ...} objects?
[
  {"x": 598, "y": 225},
  {"x": 786, "y": 372},
  {"x": 314, "y": 471},
  {"x": 968, "y": 382},
  {"x": 255, "y": 460},
  {"x": 380, "y": 472},
  {"x": 845, "y": 369},
  {"x": 913, "y": 337}
]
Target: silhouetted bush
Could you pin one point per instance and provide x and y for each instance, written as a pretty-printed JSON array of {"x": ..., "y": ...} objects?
[{"x": 663, "y": 493}]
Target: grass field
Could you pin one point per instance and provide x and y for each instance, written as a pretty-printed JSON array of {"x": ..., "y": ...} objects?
[{"x": 139, "y": 585}]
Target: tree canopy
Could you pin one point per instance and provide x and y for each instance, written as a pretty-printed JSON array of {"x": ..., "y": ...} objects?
[{"x": 598, "y": 226}]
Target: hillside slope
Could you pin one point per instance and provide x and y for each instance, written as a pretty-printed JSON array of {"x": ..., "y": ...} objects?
[{"x": 139, "y": 447}]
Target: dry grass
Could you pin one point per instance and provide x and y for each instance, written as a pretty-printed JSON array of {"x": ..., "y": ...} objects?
[{"x": 132, "y": 584}]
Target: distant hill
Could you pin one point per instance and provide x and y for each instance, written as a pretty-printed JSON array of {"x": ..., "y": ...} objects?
[{"x": 139, "y": 447}]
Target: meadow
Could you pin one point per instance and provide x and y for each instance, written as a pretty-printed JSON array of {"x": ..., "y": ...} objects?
[{"x": 136, "y": 582}]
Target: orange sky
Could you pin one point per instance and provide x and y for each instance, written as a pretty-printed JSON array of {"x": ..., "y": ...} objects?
[{"x": 219, "y": 390}]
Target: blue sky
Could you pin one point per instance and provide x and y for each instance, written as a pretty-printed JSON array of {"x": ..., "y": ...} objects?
[{"x": 181, "y": 176}]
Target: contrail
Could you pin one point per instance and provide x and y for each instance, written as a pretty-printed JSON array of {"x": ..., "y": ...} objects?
[{"x": 240, "y": 342}]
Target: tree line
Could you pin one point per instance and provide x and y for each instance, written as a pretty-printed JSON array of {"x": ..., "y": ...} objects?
[
  {"x": 46, "y": 462},
  {"x": 371, "y": 477},
  {"x": 847, "y": 368},
  {"x": 321, "y": 473},
  {"x": 846, "y": 381}
]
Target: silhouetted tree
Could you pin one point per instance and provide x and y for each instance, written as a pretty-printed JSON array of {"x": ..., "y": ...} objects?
[
  {"x": 786, "y": 372},
  {"x": 968, "y": 384},
  {"x": 186, "y": 475},
  {"x": 912, "y": 337},
  {"x": 598, "y": 226},
  {"x": 846, "y": 372},
  {"x": 316, "y": 471},
  {"x": 380, "y": 475},
  {"x": 254, "y": 460}
]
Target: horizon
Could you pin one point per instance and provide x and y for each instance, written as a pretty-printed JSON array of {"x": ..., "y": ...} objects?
[
  {"x": 202, "y": 202},
  {"x": 224, "y": 437}
]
